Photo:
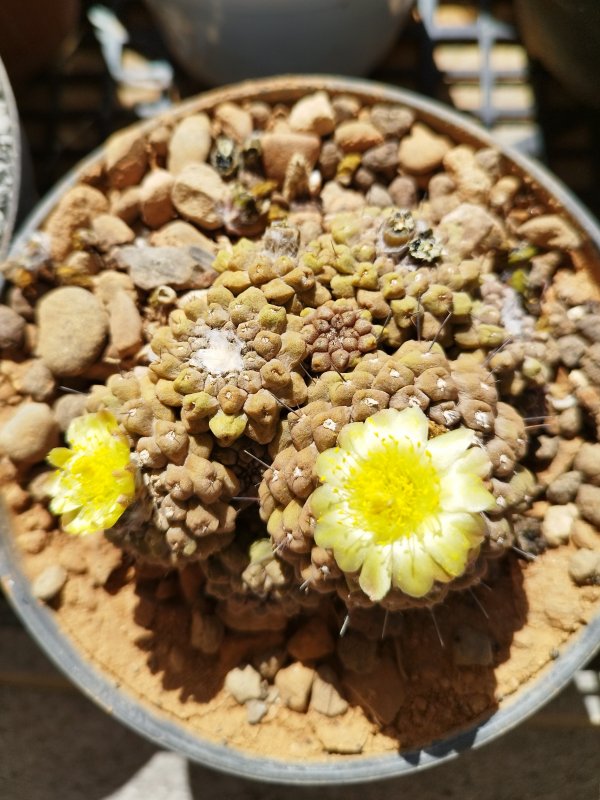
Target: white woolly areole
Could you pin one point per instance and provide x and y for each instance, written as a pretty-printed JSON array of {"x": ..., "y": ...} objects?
[{"x": 222, "y": 355}]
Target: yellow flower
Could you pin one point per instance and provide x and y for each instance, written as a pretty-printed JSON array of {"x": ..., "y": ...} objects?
[
  {"x": 95, "y": 481},
  {"x": 402, "y": 510}
]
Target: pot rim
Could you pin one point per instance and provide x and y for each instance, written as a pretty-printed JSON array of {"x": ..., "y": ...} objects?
[
  {"x": 15, "y": 161},
  {"x": 105, "y": 691}
]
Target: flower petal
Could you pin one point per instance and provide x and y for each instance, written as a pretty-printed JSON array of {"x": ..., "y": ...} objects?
[
  {"x": 409, "y": 424},
  {"x": 445, "y": 449},
  {"x": 376, "y": 573},
  {"x": 59, "y": 456},
  {"x": 475, "y": 460},
  {"x": 323, "y": 498},
  {"x": 459, "y": 534},
  {"x": 462, "y": 491},
  {"x": 333, "y": 465},
  {"x": 413, "y": 571},
  {"x": 358, "y": 439}
]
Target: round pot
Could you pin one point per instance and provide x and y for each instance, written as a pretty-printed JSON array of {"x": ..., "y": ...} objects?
[
  {"x": 10, "y": 163},
  {"x": 231, "y": 40},
  {"x": 108, "y": 689}
]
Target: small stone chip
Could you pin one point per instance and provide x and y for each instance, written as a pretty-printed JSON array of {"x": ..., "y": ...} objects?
[{"x": 244, "y": 684}]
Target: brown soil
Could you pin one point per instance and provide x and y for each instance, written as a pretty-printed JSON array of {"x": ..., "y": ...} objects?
[{"x": 530, "y": 613}]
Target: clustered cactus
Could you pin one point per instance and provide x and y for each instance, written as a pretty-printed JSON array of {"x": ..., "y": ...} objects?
[{"x": 296, "y": 354}]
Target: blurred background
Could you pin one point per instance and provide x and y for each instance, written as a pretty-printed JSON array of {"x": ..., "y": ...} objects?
[{"x": 527, "y": 69}]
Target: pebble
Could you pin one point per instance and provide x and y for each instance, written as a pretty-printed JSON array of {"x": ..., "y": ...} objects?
[
  {"x": 469, "y": 229},
  {"x": 589, "y": 326},
  {"x": 311, "y": 641},
  {"x": 548, "y": 447},
  {"x": 110, "y": 282},
  {"x": 587, "y": 461},
  {"x": 294, "y": 684},
  {"x": 37, "y": 381},
  {"x": 75, "y": 210},
  {"x": 150, "y": 267},
  {"x": 382, "y": 159},
  {"x": 585, "y": 535},
  {"x": 584, "y": 567},
  {"x": 12, "y": 329},
  {"x": 111, "y": 231},
  {"x": 588, "y": 502},
  {"x": 325, "y": 696},
  {"x": 471, "y": 647},
  {"x": 563, "y": 489},
  {"x": 403, "y": 191},
  {"x": 199, "y": 194},
  {"x": 49, "y": 582},
  {"x": 356, "y": 136},
  {"x": 235, "y": 121},
  {"x": 255, "y": 711},
  {"x": 33, "y": 542},
  {"x": 125, "y": 325},
  {"x": 72, "y": 328},
  {"x": 570, "y": 422},
  {"x": 345, "y": 107},
  {"x": 181, "y": 234},
  {"x": 346, "y": 737},
  {"x": 550, "y": 230},
  {"x": 422, "y": 151},
  {"x": 279, "y": 147},
  {"x": 558, "y": 523},
  {"x": 380, "y": 692},
  {"x": 190, "y": 143},
  {"x": 392, "y": 121},
  {"x": 379, "y": 196},
  {"x": 313, "y": 114},
  {"x": 244, "y": 684},
  {"x": 125, "y": 158},
  {"x": 126, "y": 204},
  {"x": 29, "y": 434},
  {"x": 156, "y": 205},
  {"x": 571, "y": 349}
]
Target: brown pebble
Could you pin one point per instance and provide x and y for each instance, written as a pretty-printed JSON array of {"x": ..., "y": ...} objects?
[
  {"x": 190, "y": 143},
  {"x": 29, "y": 434},
  {"x": 294, "y": 684},
  {"x": 125, "y": 158},
  {"x": 584, "y": 567},
  {"x": 12, "y": 329},
  {"x": 278, "y": 149}
]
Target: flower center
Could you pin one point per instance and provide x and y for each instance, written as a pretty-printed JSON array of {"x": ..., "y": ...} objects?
[{"x": 392, "y": 492}]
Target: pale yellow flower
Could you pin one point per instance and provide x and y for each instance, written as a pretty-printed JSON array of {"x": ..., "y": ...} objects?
[
  {"x": 95, "y": 481},
  {"x": 401, "y": 509}
]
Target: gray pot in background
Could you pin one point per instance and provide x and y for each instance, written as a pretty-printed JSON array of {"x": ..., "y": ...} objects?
[
  {"x": 222, "y": 41},
  {"x": 564, "y": 35},
  {"x": 10, "y": 163}
]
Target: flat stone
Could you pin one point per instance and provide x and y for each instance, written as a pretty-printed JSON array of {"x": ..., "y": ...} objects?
[
  {"x": 294, "y": 684},
  {"x": 470, "y": 229},
  {"x": 585, "y": 535},
  {"x": 392, "y": 120},
  {"x": 587, "y": 461},
  {"x": 244, "y": 684},
  {"x": 75, "y": 210},
  {"x": 190, "y": 143},
  {"x": 72, "y": 328},
  {"x": 150, "y": 267},
  {"x": 29, "y": 434},
  {"x": 49, "y": 582}
]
